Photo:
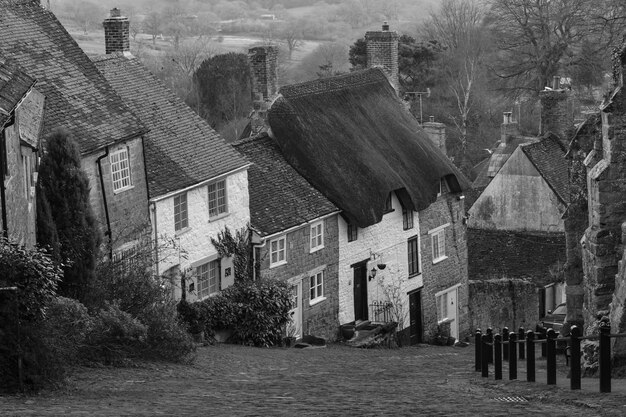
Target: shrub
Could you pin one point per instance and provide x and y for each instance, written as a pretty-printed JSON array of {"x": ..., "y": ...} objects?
[
  {"x": 166, "y": 336},
  {"x": 66, "y": 327},
  {"x": 257, "y": 312},
  {"x": 116, "y": 337}
]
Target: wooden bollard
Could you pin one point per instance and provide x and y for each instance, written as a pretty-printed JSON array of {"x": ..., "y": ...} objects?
[
  {"x": 484, "y": 361},
  {"x": 490, "y": 345},
  {"x": 521, "y": 335},
  {"x": 551, "y": 356},
  {"x": 477, "y": 356},
  {"x": 505, "y": 345},
  {"x": 575, "y": 359},
  {"x": 530, "y": 356},
  {"x": 605, "y": 355},
  {"x": 513, "y": 355},
  {"x": 497, "y": 362}
]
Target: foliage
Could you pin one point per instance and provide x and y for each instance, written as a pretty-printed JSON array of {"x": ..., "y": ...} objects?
[
  {"x": 238, "y": 247},
  {"x": 224, "y": 84},
  {"x": 166, "y": 337},
  {"x": 256, "y": 311},
  {"x": 35, "y": 276},
  {"x": 66, "y": 187}
]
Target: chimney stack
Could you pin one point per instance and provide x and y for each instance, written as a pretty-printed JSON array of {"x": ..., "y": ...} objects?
[
  {"x": 437, "y": 134},
  {"x": 382, "y": 51},
  {"x": 263, "y": 66},
  {"x": 557, "y": 112},
  {"x": 509, "y": 127},
  {"x": 116, "y": 31}
]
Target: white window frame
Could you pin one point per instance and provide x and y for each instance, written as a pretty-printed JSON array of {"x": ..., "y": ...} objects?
[
  {"x": 317, "y": 236},
  {"x": 316, "y": 288},
  {"x": 183, "y": 223},
  {"x": 438, "y": 243},
  {"x": 120, "y": 166},
  {"x": 281, "y": 253},
  {"x": 219, "y": 210},
  {"x": 208, "y": 278}
]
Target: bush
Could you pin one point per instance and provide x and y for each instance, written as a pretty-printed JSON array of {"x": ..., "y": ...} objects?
[
  {"x": 257, "y": 312},
  {"x": 66, "y": 327},
  {"x": 166, "y": 336}
]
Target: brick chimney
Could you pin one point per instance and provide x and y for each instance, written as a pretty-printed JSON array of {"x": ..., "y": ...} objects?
[
  {"x": 263, "y": 66},
  {"x": 509, "y": 128},
  {"x": 557, "y": 112},
  {"x": 382, "y": 51},
  {"x": 116, "y": 28},
  {"x": 437, "y": 133}
]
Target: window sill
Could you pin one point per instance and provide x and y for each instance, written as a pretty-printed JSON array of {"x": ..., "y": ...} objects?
[
  {"x": 121, "y": 190},
  {"x": 442, "y": 258},
  {"x": 277, "y": 264},
  {"x": 444, "y": 321},
  {"x": 415, "y": 275},
  {"x": 313, "y": 250},
  {"x": 218, "y": 217},
  {"x": 316, "y": 301},
  {"x": 182, "y": 231}
]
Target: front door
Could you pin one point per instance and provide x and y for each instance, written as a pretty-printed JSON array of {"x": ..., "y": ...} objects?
[
  {"x": 294, "y": 328},
  {"x": 415, "y": 314},
  {"x": 360, "y": 291},
  {"x": 453, "y": 313}
]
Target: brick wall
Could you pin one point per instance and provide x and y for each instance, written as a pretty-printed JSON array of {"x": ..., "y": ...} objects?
[
  {"x": 449, "y": 272},
  {"x": 116, "y": 31},
  {"x": 20, "y": 203},
  {"x": 382, "y": 51},
  {"x": 128, "y": 209},
  {"x": 263, "y": 64},
  {"x": 502, "y": 254},
  {"x": 319, "y": 319},
  {"x": 502, "y": 303}
]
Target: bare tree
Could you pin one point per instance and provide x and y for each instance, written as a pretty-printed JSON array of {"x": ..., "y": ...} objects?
[
  {"x": 291, "y": 34},
  {"x": 153, "y": 25}
]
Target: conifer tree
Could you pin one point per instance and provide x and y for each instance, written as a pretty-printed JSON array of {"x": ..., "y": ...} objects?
[{"x": 65, "y": 186}]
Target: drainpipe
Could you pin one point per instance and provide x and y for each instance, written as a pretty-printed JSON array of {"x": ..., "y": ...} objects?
[
  {"x": 3, "y": 197},
  {"x": 104, "y": 200},
  {"x": 254, "y": 247},
  {"x": 156, "y": 237}
]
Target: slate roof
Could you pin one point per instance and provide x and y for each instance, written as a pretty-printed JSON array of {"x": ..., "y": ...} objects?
[
  {"x": 280, "y": 198},
  {"x": 78, "y": 98},
  {"x": 14, "y": 85},
  {"x": 548, "y": 156},
  {"x": 352, "y": 139},
  {"x": 181, "y": 148}
]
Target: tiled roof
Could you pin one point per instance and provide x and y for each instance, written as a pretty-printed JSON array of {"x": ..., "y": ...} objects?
[
  {"x": 78, "y": 98},
  {"x": 352, "y": 139},
  {"x": 14, "y": 84},
  {"x": 548, "y": 156},
  {"x": 280, "y": 198},
  {"x": 181, "y": 148}
]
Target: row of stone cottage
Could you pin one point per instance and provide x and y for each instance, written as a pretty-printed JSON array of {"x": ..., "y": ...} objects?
[{"x": 346, "y": 196}]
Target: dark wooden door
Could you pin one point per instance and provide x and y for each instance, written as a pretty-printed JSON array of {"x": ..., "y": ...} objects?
[
  {"x": 360, "y": 291},
  {"x": 415, "y": 313}
]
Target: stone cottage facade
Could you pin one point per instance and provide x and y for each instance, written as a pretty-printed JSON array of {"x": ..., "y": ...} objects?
[
  {"x": 198, "y": 184},
  {"x": 295, "y": 237},
  {"x": 80, "y": 100},
  {"x": 21, "y": 115}
]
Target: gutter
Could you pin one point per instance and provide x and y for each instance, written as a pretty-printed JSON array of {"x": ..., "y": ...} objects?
[{"x": 104, "y": 200}]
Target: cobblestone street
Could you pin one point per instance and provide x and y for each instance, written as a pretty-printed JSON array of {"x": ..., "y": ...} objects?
[{"x": 233, "y": 380}]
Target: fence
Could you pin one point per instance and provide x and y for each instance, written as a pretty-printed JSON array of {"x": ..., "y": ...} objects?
[
  {"x": 510, "y": 346},
  {"x": 381, "y": 311}
]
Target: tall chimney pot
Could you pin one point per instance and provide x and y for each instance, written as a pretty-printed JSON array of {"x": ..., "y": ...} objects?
[
  {"x": 556, "y": 82},
  {"x": 385, "y": 27}
]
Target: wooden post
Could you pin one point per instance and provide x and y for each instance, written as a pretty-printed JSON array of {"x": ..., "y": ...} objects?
[
  {"x": 530, "y": 356},
  {"x": 490, "y": 345},
  {"x": 551, "y": 356},
  {"x": 505, "y": 345},
  {"x": 513, "y": 355},
  {"x": 497, "y": 363},
  {"x": 575, "y": 359},
  {"x": 477, "y": 355},
  {"x": 484, "y": 362},
  {"x": 605, "y": 355},
  {"x": 521, "y": 336}
]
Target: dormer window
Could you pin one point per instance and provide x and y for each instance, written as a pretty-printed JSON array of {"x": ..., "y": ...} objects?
[{"x": 388, "y": 204}]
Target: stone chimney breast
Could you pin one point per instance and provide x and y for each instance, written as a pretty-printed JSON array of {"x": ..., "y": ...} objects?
[
  {"x": 382, "y": 51},
  {"x": 116, "y": 31},
  {"x": 437, "y": 133}
]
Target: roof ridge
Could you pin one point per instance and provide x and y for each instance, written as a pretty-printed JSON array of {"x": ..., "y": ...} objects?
[{"x": 333, "y": 84}]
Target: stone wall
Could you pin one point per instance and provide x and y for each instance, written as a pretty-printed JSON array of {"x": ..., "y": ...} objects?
[
  {"x": 557, "y": 114},
  {"x": 501, "y": 254},
  {"x": 502, "y": 303},
  {"x": 263, "y": 64},
  {"x": 127, "y": 209},
  {"x": 320, "y": 318}
]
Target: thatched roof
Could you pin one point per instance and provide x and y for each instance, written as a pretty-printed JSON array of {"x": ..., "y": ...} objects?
[{"x": 351, "y": 138}]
